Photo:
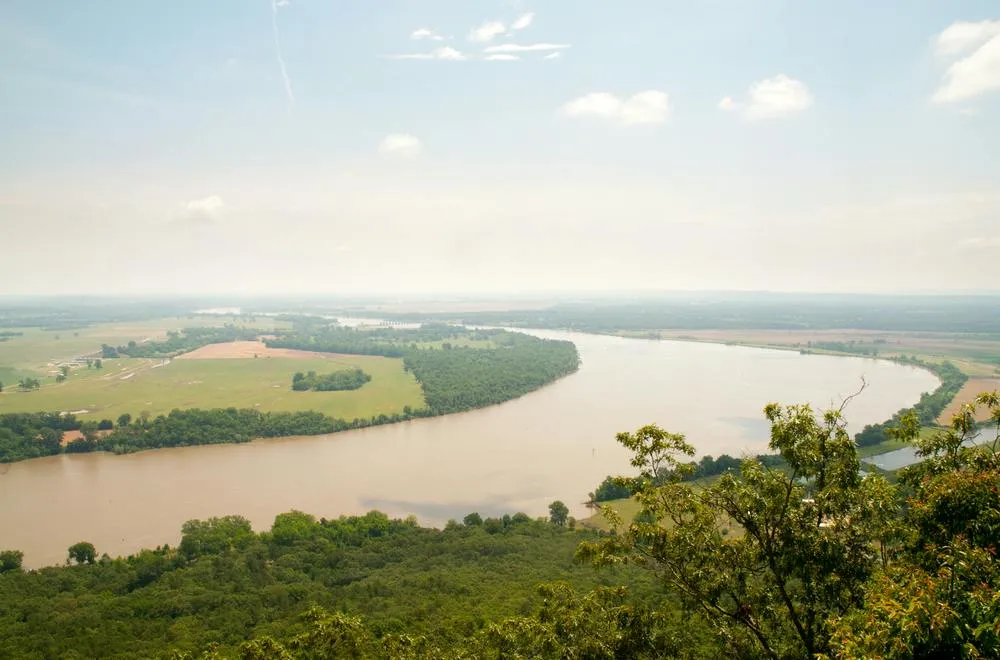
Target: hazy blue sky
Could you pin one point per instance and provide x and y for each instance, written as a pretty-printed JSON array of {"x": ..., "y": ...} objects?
[{"x": 347, "y": 146}]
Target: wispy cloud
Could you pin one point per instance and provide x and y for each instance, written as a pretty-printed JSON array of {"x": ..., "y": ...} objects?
[
  {"x": 963, "y": 36},
  {"x": 401, "y": 144},
  {"x": 981, "y": 243},
  {"x": 977, "y": 71},
  {"x": 202, "y": 211},
  {"x": 771, "y": 98},
  {"x": 502, "y": 57},
  {"x": 443, "y": 53},
  {"x": 275, "y": 5},
  {"x": 487, "y": 31},
  {"x": 518, "y": 48},
  {"x": 523, "y": 21},
  {"x": 649, "y": 107},
  {"x": 425, "y": 33},
  {"x": 553, "y": 56}
]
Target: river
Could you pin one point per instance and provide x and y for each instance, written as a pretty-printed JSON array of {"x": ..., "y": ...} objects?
[{"x": 556, "y": 443}]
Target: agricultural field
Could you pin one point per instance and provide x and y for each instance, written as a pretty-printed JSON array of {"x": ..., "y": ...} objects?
[
  {"x": 241, "y": 374},
  {"x": 138, "y": 386},
  {"x": 36, "y": 352}
]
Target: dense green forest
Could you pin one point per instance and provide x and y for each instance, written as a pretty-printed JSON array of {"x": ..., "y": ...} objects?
[
  {"x": 387, "y": 342},
  {"x": 346, "y": 379},
  {"x": 30, "y": 435},
  {"x": 225, "y": 584},
  {"x": 813, "y": 560},
  {"x": 463, "y": 378},
  {"x": 454, "y": 377}
]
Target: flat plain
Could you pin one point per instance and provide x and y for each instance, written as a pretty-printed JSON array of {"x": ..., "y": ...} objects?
[{"x": 216, "y": 376}]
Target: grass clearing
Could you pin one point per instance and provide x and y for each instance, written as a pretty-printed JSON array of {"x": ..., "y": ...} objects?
[
  {"x": 628, "y": 508},
  {"x": 128, "y": 385}
]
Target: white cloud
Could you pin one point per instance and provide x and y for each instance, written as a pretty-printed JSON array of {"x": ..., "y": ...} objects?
[
  {"x": 502, "y": 57},
  {"x": 401, "y": 144},
  {"x": 649, "y": 107},
  {"x": 487, "y": 31},
  {"x": 517, "y": 48},
  {"x": 772, "y": 98},
  {"x": 208, "y": 209},
  {"x": 443, "y": 53},
  {"x": 424, "y": 33},
  {"x": 524, "y": 21},
  {"x": 980, "y": 243},
  {"x": 978, "y": 71},
  {"x": 963, "y": 36},
  {"x": 553, "y": 56},
  {"x": 210, "y": 204}
]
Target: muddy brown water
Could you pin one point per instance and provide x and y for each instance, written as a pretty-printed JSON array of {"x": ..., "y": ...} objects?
[{"x": 556, "y": 443}]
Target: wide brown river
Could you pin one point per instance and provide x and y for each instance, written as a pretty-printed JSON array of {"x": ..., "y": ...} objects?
[{"x": 556, "y": 443}]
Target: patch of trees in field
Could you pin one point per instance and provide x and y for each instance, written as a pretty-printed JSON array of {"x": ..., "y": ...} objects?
[
  {"x": 347, "y": 379},
  {"x": 7, "y": 335}
]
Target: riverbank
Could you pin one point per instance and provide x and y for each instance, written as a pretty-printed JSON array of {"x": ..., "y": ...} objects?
[
  {"x": 440, "y": 377},
  {"x": 556, "y": 444}
]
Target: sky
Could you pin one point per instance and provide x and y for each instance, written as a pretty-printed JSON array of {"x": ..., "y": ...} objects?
[{"x": 514, "y": 146}]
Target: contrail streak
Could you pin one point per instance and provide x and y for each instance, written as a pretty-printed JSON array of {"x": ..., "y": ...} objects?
[{"x": 277, "y": 51}]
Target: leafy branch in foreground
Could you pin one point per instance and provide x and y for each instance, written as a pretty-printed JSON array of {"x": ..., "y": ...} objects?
[{"x": 818, "y": 547}]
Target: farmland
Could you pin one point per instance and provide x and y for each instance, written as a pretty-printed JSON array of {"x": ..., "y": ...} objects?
[
  {"x": 215, "y": 376},
  {"x": 137, "y": 386}
]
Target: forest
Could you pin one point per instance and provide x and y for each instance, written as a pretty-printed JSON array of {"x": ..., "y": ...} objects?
[
  {"x": 462, "y": 378},
  {"x": 454, "y": 377},
  {"x": 814, "y": 560},
  {"x": 337, "y": 381},
  {"x": 224, "y": 584},
  {"x": 31, "y": 435}
]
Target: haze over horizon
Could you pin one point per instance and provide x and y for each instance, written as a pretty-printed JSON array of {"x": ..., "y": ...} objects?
[{"x": 488, "y": 147}]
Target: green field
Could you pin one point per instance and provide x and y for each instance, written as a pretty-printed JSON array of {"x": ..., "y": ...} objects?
[
  {"x": 35, "y": 353},
  {"x": 127, "y": 385}
]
